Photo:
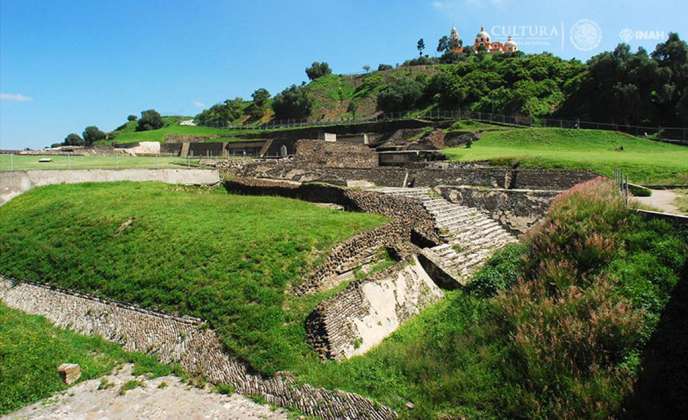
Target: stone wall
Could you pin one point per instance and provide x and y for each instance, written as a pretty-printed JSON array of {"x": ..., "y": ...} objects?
[
  {"x": 334, "y": 155},
  {"x": 361, "y": 316},
  {"x": 517, "y": 210},
  {"x": 409, "y": 220},
  {"x": 185, "y": 341},
  {"x": 496, "y": 177},
  {"x": 18, "y": 182}
]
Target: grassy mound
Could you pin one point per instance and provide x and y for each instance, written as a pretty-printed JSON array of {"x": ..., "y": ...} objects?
[
  {"x": 644, "y": 161},
  {"x": 564, "y": 337},
  {"x": 31, "y": 349},
  {"x": 227, "y": 259}
]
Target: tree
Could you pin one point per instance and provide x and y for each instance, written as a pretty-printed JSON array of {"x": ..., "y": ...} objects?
[
  {"x": 402, "y": 95},
  {"x": 317, "y": 70},
  {"x": 260, "y": 97},
  {"x": 225, "y": 113},
  {"x": 292, "y": 102},
  {"x": 150, "y": 120},
  {"x": 73, "y": 139},
  {"x": 443, "y": 45},
  {"x": 92, "y": 134},
  {"x": 366, "y": 68},
  {"x": 384, "y": 67},
  {"x": 420, "y": 46},
  {"x": 131, "y": 118}
]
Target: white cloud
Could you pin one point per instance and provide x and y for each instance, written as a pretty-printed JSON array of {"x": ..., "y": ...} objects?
[
  {"x": 198, "y": 104},
  {"x": 14, "y": 97}
]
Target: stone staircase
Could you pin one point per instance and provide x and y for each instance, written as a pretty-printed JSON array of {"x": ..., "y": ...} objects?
[{"x": 470, "y": 237}]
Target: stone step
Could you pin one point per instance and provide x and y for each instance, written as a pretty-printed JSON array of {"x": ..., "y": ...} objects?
[{"x": 468, "y": 224}]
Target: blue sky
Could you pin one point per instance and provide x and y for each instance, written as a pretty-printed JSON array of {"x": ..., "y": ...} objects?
[{"x": 66, "y": 64}]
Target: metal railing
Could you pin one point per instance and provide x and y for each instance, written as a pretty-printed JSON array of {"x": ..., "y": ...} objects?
[
  {"x": 677, "y": 135},
  {"x": 621, "y": 182}
]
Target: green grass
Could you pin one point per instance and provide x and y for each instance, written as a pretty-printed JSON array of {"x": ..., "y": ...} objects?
[
  {"x": 476, "y": 356},
  {"x": 644, "y": 161},
  {"x": 128, "y": 133},
  {"x": 31, "y": 349},
  {"x": 21, "y": 163},
  {"x": 225, "y": 258}
]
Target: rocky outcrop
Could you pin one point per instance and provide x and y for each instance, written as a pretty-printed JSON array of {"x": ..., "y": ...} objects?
[{"x": 185, "y": 341}]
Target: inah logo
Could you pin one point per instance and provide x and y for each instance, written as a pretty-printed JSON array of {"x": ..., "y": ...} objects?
[
  {"x": 626, "y": 35},
  {"x": 586, "y": 35}
]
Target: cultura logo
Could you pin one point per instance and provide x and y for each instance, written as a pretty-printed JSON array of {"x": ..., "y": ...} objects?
[{"x": 586, "y": 35}]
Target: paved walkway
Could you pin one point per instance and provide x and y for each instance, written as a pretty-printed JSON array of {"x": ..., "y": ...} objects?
[
  {"x": 662, "y": 200},
  {"x": 174, "y": 400}
]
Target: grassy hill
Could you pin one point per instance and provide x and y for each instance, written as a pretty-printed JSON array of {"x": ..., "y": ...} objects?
[
  {"x": 643, "y": 160},
  {"x": 32, "y": 348},
  {"x": 490, "y": 351},
  {"x": 225, "y": 258},
  {"x": 127, "y": 132}
]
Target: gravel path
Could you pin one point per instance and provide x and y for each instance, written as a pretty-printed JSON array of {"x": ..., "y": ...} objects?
[
  {"x": 662, "y": 200},
  {"x": 174, "y": 400}
]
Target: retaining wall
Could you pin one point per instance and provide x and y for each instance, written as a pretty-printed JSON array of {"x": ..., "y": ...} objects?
[
  {"x": 361, "y": 316},
  {"x": 495, "y": 177},
  {"x": 517, "y": 210},
  {"x": 18, "y": 182},
  {"x": 187, "y": 342}
]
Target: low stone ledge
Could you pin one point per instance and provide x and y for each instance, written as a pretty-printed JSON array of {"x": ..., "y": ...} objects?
[{"x": 196, "y": 348}]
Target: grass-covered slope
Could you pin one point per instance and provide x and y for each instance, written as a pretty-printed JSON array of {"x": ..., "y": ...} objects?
[
  {"x": 31, "y": 349},
  {"x": 565, "y": 336},
  {"x": 644, "y": 161},
  {"x": 225, "y": 258}
]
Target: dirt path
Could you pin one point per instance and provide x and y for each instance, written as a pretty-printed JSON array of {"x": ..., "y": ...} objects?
[
  {"x": 662, "y": 200},
  {"x": 174, "y": 400}
]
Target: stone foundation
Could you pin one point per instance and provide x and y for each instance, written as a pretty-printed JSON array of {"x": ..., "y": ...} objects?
[
  {"x": 185, "y": 341},
  {"x": 361, "y": 316}
]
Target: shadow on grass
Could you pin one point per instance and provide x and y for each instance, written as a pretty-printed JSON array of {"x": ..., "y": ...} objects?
[{"x": 662, "y": 387}]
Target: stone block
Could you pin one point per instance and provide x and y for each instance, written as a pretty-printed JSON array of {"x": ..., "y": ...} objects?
[{"x": 69, "y": 372}]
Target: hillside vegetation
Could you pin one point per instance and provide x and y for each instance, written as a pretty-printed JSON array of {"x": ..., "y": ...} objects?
[
  {"x": 643, "y": 160},
  {"x": 555, "y": 328},
  {"x": 225, "y": 258}
]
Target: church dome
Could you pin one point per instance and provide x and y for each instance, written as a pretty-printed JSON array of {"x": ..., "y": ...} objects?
[
  {"x": 483, "y": 37},
  {"x": 511, "y": 45}
]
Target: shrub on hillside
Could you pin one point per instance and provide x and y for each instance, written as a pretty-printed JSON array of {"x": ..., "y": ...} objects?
[
  {"x": 402, "y": 95},
  {"x": 317, "y": 70},
  {"x": 221, "y": 115},
  {"x": 580, "y": 313},
  {"x": 384, "y": 67},
  {"x": 131, "y": 118},
  {"x": 259, "y": 103},
  {"x": 500, "y": 272},
  {"x": 150, "y": 120},
  {"x": 73, "y": 139},
  {"x": 292, "y": 102},
  {"x": 92, "y": 134}
]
